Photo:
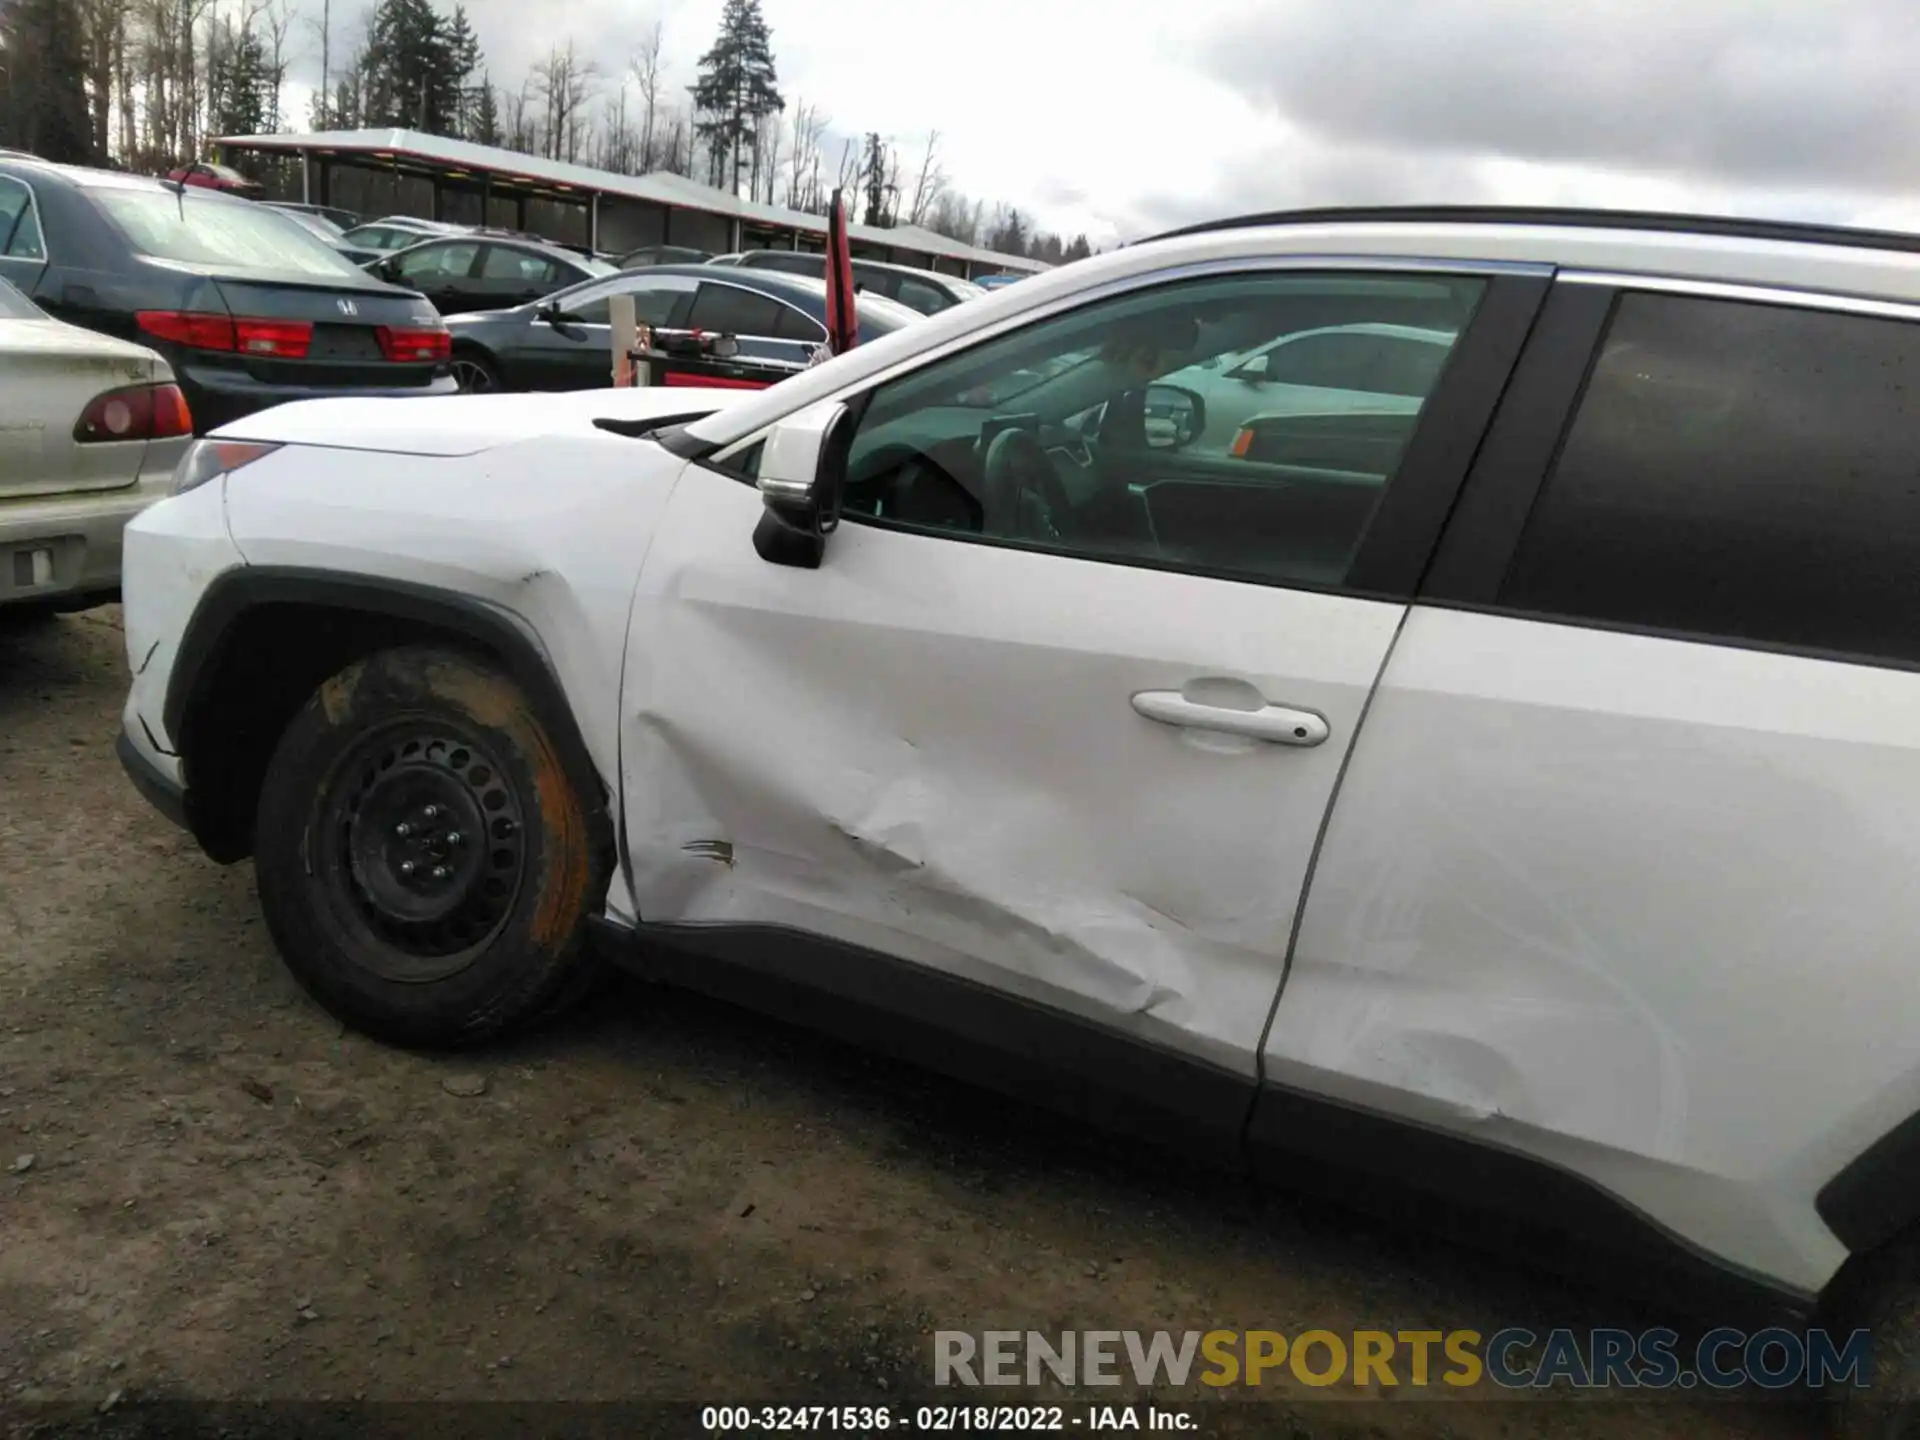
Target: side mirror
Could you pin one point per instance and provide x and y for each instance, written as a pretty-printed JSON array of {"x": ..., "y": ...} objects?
[
  {"x": 1175, "y": 417},
  {"x": 803, "y": 463}
]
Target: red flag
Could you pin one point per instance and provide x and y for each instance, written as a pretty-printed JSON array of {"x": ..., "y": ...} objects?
[{"x": 843, "y": 317}]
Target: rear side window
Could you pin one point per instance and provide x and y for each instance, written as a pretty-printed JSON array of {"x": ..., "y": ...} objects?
[
  {"x": 20, "y": 235},
  {"x": 503, "y": 263},
  {"x": 793, "y": 325},
  {"x": 918, "y": 295},
  {"x": 652, "y": 305},
  {"x": 213, "y": 231},
  {"x": 1738, "y": 471},
  {"x": 729, "y": 310}
]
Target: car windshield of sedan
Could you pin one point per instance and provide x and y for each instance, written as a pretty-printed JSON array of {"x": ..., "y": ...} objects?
[
  {"x": 183, "y": 227},
  {"x": 595, "y": 267}
]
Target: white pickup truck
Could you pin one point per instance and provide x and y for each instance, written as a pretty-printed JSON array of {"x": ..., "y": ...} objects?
[{"x": 1515, "y": 793}]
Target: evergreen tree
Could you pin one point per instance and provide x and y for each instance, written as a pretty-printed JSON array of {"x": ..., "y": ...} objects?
[
  {"x": 483, "y": 117},
  {"x": 735, "y": 91},
  {"x": 460, "y": 49},
  {"x": 1078, "y": 250},
  {"x": 873, "y": 169},
  {"x": 1010, "y": 236},
  {"x": 240, "y": 81},
  {"x": 43, "y": 103},
  {"x": 413, "y": 75}
]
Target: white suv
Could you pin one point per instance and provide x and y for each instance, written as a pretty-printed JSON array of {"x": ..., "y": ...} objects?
[{"x": 1521, "y": 800}]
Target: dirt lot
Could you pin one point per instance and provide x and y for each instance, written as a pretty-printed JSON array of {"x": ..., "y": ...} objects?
[{"x": 230, "y": 1198}]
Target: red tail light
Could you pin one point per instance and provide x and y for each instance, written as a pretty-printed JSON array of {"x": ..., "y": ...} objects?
[
  {"x": 279, "y": 339},
  {"x": 283, "y": 339},
  {"x": 1242, "y": 443},
  {"x": 188, "y": 327},
  {"x": 138, "y": 412},
  {"x": 415, "y": 346}
]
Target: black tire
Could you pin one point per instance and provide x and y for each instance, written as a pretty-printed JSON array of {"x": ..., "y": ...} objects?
[
  {"x": 475, "y": 373},
  {"x": 425, "y": 866},
  {"x": 1880, "y": 1293}
]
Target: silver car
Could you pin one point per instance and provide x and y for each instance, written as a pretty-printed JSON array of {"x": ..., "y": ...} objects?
[{"x": 90, "y": 430}]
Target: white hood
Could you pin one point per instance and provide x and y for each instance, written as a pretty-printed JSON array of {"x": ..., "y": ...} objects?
[{"x": 463, "y": 424}]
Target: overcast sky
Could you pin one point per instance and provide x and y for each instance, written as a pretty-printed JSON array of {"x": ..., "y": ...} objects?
[{"x": 1118, "y": 117}]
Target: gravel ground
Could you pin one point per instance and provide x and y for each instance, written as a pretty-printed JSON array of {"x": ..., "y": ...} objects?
[{"x": 230, "y": 1198}]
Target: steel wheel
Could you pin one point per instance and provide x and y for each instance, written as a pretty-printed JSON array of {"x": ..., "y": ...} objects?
[{"x": 425, "y": 850}]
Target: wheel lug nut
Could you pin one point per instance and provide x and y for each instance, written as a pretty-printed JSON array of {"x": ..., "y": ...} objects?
[
  {"x": 440, "y": 872},
  {"x": 454, "y": 837},
  {"x": 406, "y": 867},
  {"x": 403, "y": 829},
  {"x": 432, "y": 812}
]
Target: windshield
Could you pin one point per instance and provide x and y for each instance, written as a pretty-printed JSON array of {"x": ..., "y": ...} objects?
[
  {"x": 595, "y": 267},
  {"x": 15, "y": 306},
  {"x": 211, "y": 231},
  {"x": 965, "y": 289},
  {"x": 881, "y": 316}
]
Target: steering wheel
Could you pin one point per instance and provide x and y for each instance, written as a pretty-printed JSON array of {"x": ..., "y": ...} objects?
[{"x": 1024, "y": 497}]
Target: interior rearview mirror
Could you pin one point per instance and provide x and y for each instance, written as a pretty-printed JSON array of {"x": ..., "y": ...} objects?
[{"x": 803, "y": 463}]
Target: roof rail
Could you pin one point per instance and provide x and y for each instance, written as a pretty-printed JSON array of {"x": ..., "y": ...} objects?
[{"x": 1728, "y": 225}]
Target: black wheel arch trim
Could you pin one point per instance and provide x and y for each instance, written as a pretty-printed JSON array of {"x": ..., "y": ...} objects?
[
  {"x": 1876, "y": 1195},
  {"x": 236, "y": 593}
]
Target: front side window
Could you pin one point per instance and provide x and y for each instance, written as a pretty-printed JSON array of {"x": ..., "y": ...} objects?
[
  {"x": 438, "y": 262},
  {"x": 1738, "y": 471},
  {"x": 652, "y": 304},
  {"x": 1088, "y": 434}
]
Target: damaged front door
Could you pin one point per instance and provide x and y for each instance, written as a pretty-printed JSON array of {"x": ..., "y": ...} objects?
[{"x": 1007, "y": 733}]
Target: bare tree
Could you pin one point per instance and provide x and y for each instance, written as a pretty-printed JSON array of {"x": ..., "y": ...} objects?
[
  {"x": 803, "y": 186},
  {"x": 645, "y": 69},
  {"x": 849, "y": 177},
  {"x": 931, "y": 182},
  {"x": 564, "y": 82},
  {"x": 517, "y": 120},
  {"x": 276, "y": 20}
]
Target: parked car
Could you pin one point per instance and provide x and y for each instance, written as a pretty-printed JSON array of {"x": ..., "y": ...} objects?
[
  {"x": 564, "y": 341},
  {"x": 926, "y": 291},
  {"x": 216, "y": 177},
  {"x": 331, "y": 234},
  {"x": 1528, "y": 820},
  {"x": 248, "y": 308},
  {"x": 90, "y": 431},
  {"x": 481, "y": 272},
  {"x": 995, "y": 282},
  {"x": 397, "y": 232},
  {"x": 1367, "y": 368},
  {"x": 662, "y": 255},
  {"x": 344, "y": 220}
]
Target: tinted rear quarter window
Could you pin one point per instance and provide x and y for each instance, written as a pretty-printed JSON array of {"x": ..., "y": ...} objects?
[
  {"x": 1738, "y": 471},
  {"x": 729, "y": 310}
]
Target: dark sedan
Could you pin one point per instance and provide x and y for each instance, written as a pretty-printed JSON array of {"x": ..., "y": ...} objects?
[
  {"x": 460, "y": 273},
  {"x": 564, "y": 342},
  {"x": 248, "y": 307}
]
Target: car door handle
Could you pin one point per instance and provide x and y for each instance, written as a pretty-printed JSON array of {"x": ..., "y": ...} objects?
[{"x": 1277, "y": 724}]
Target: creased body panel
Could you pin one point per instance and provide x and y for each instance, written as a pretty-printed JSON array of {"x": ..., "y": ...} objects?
[
  {"x": 1642, "y": 907},
  {"x": 552, "y": 531},
  {"x": 927, "y": 748}
]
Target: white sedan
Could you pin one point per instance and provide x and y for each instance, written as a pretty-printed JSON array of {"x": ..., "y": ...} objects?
[{"x": 90, "y": 430}]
